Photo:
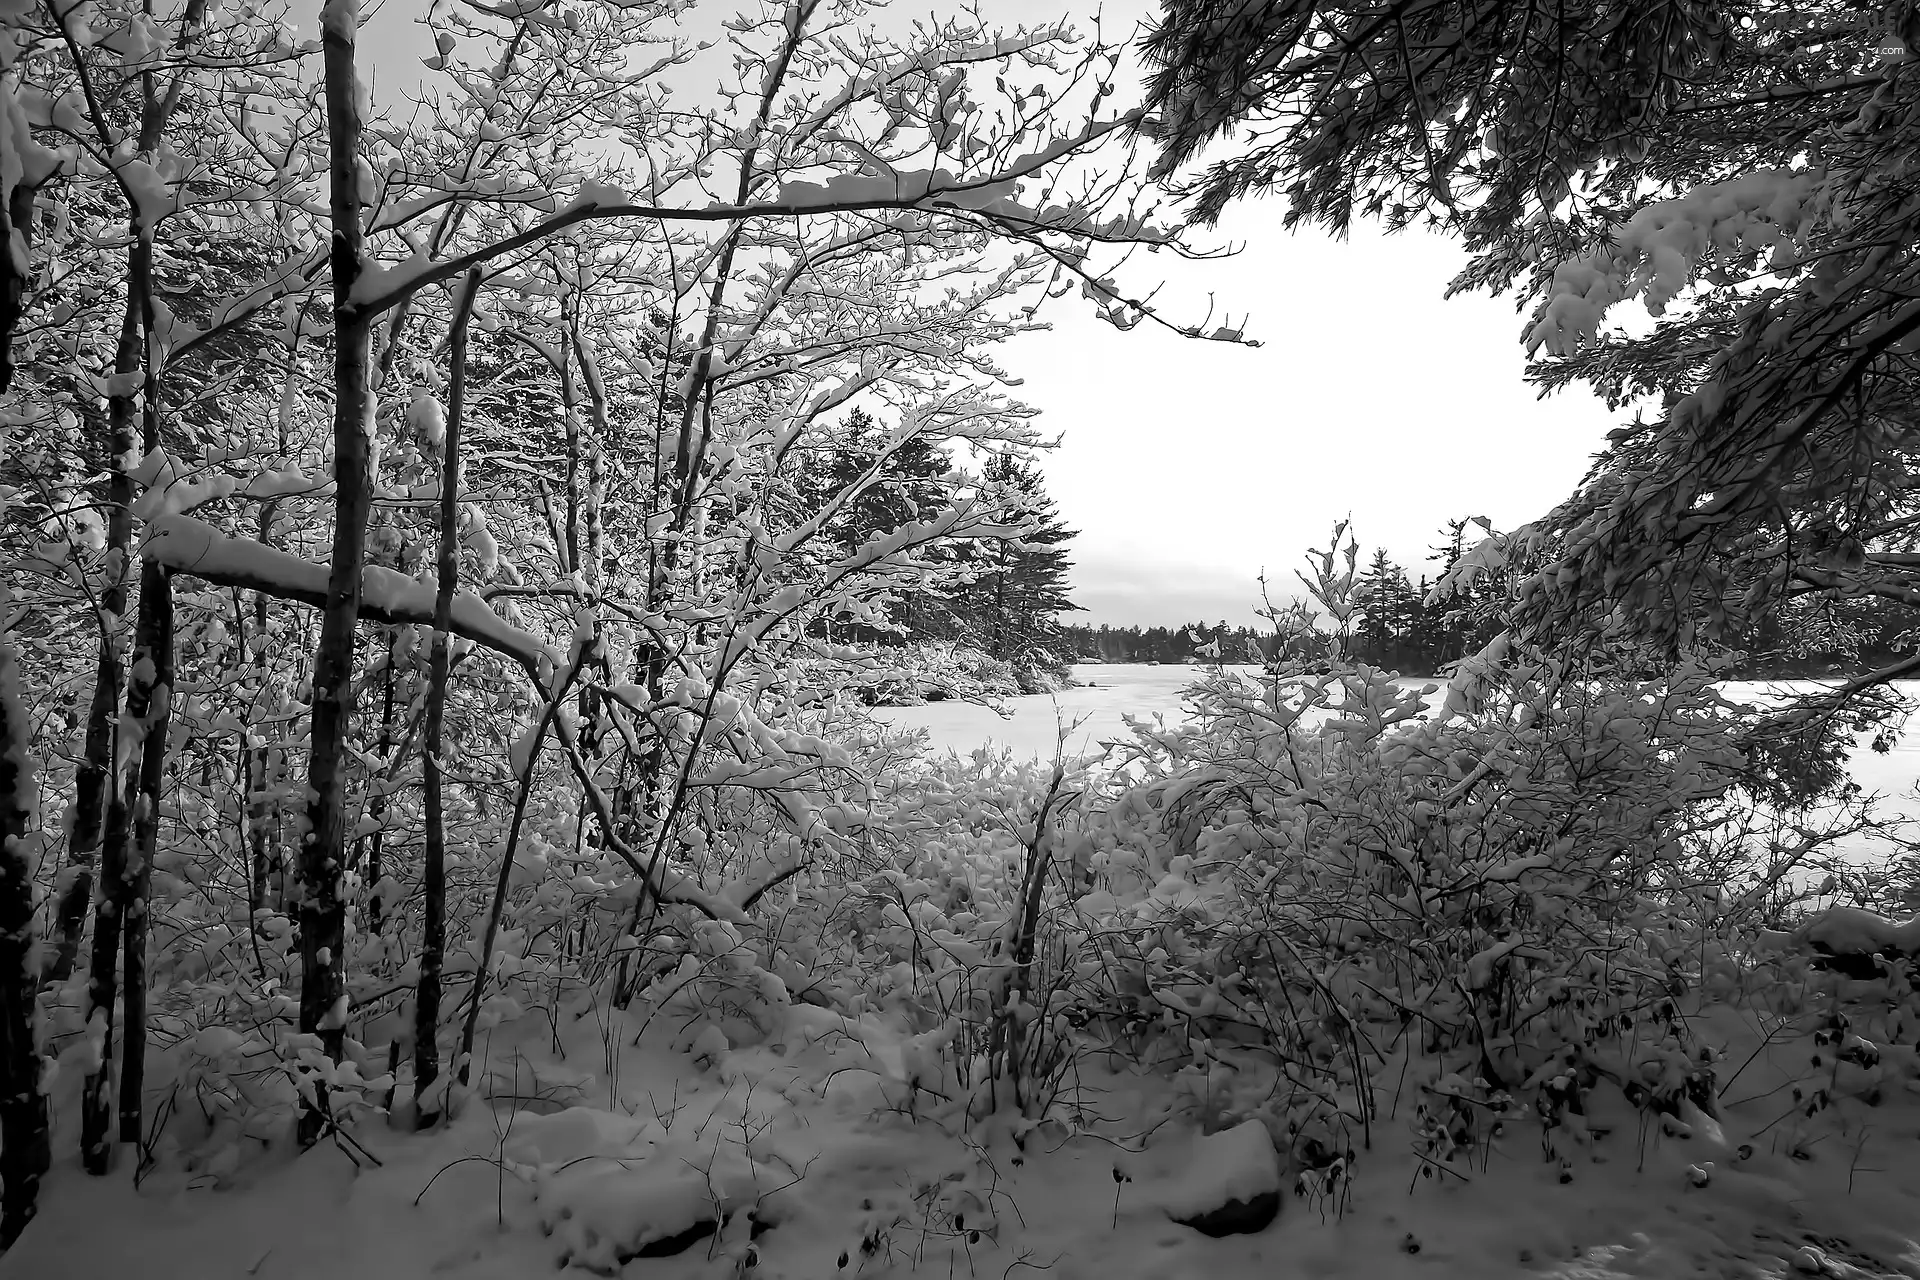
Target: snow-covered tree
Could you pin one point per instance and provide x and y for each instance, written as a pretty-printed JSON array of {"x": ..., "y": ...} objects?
[
  {"x": 246, "y": 493},
  {"x": 1021, "y": 584}
]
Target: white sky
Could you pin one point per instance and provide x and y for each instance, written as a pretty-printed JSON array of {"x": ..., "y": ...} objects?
[{"x": 1189, "y": 467}]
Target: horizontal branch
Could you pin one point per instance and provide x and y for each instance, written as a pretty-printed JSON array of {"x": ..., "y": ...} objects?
[
  {"x": 381, "y": 287},
  {"x": 1783, "y": 93},
  {"x": 191, "y": 546}
]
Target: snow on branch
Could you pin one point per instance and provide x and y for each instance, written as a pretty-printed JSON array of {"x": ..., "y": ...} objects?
[
  {"x": 192, "y": 546},
  {"x": 985, "y": 196},
  {"x": 1652, "y": 255},
  {"x": 667, "y": 884}
]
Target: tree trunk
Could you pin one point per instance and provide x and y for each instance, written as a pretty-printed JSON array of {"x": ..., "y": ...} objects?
[
  {"x": 997, "y": 646},
  {"x": 123, "y": 880},
  {"x": 149, "y": 703},
  {"x": 110, "y": 914},
  {"x": 260, "y": 860},
  {"x": 1033, "y": 891},
  {"x": 555, "y": 696},
  {"x": 570, "y": 415},
  {"x": 24, "y": 1150},
  {"x": 96, "y": 1148},
  {"x": 150, "y": 695},
  {"x": 433, "y": 928},
  {"x": 584, "y": 508},
  {"x": 268, "y": 859},
  {"x": 377, "y": 802},
  {"x": 323, "y": 917},
  {"x": 90, "y": 779},
  {"x": 594, "y": 563},
  {"x": 89, "y": 804}
]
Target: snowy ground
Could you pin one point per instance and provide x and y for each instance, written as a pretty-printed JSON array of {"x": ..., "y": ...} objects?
[
  {"x": 811, "y": 1158},
  {"x": 807, "y": 1151}
]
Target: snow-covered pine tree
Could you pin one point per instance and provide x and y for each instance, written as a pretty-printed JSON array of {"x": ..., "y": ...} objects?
[
  {"x": 1021, "y": 585},
  {"x": 1386, "y": 635},
  {"x": 896, "y": 482}
]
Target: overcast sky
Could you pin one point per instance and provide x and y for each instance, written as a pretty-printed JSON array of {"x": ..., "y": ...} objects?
[{"x": 1189, "y": 467}]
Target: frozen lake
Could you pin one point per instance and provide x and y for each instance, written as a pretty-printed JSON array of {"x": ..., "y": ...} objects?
[{"x": 1091, "y": 716}]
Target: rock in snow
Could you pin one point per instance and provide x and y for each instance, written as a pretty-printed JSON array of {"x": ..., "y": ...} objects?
[
  {"x": 1852, "y": 931},
  {"x": 603, "y": 1214},
  {"x": 610, "y": 1188},
  {"x": 1848, "y": 940},
  {"x": 1231, "y": 1185}
]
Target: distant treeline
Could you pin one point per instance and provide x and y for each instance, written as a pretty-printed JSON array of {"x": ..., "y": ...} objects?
[
  {"x": 1398, "y": 627},
  {"x": 1165, "y": 644}
]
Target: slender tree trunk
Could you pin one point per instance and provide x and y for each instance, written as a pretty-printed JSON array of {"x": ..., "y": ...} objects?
[
  {"x": 596, "y": 489},
  {"x": 583, "y": 507},
  {"x": 997, "y": 643},
  {"x": 323, "y": 916},
  {"x": 149, "y": 706},
  {"x": 150, "y": 695},
  {"x": 570, "y": 413},
  {"x": 266, "y": 856},
  {"x": 691, "y": 448},
  {"x": 149, "y": 703},
  {"x": 555, "y": 696},
  {"x": 89, "y": 817},
  {"x": 433, "y": 928},
  {"x": 110, "y": 914},
  {"x": 259, "y": 761},
  {"x": 1032, "y": 893},
  {"x": 96, "y": 1147},
  {"x": 123, "y": 880},
  {"x": 377, "y": 801},
  {"x": 251, "y": 825},
  {"x": 90, "y": 780},
  {"x": 24, "y": 1149}
]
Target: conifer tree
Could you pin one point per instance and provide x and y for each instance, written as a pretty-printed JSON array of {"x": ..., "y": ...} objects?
[
  {"x": 906, "y": 485},
  {"x": 1021, "y": 585},
  {"x": 1385, "y": 634}
]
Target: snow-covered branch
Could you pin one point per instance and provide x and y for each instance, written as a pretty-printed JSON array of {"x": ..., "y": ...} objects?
[{"x": 191, "y": 546}]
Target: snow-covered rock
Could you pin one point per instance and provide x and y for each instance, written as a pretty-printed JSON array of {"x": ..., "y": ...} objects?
[
  {"x": 610, "y": 1187},
  {"x": 603, "y": 1213},
  {"x": 1848, "y": 939},
  {"x": 1853, "y": 931},
  {"x": 1231, "y": 1185}
]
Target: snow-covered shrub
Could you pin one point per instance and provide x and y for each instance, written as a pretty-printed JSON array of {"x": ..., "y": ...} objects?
[
  {"x": 1312, "y": 881},
  {"x": 1488, "y": 887}
]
